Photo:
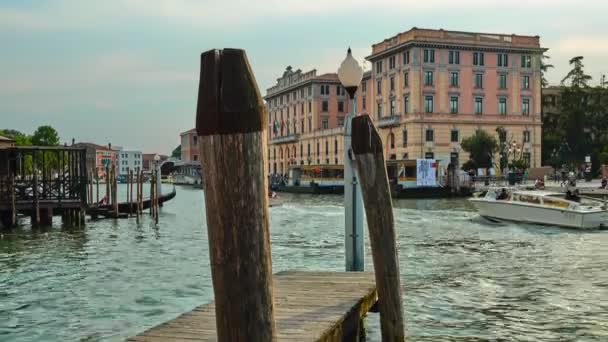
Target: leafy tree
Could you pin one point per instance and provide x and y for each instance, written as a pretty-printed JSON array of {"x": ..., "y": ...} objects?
[
  {"x": 577, "y": 76},
  {"x": 45, "y": 136},
  {"x": 177, "y": 152},
  {"x": 544, "y": 67},
  {"x": 20, "y": 138},
  {"x": 481, "y": 147}
]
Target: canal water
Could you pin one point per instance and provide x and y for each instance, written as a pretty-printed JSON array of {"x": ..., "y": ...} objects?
[{"x": 463, "y": 278}]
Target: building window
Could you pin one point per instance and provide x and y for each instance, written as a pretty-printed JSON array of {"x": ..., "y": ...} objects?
[
  {"x": 502, "y": 81},
  {"x": 318, "y": 152},
  {"x": 406, "y": 79},
  {"x": 195, "y": 157},
  {"x": 502, "y": 106},
  {"x": 428, "y": 78},
  {"x": 429, "y": 56},
  {"x": 391, "y": 139},
  {"x": 478, "y": 81},
  {"x": 288, "y": 113},
  {"x": 453, "y": 104},
  {"x": 340, "y": 121},
  {"x": 526, "y": 136},
  {"x": 325, "y": 123},
  {"x": 454, "y": 79},
  {"x": 478, "y": 58},
  {"x": 454, "y": 135},
  {"x": 406, "y": 57},
  {"x": 363, "y": 100},
  {"x": 363, "y": 86},
  {"x": 309, "y": 90},
  {"x": 526, "y": 61},
  {"x": 478, "y": 105},
  {"x": 429, "y": 155},
  {"x": 324, "y": 89},
  {"x": 428, "y": 103},
  {"x": 378, "y": 67},
  {"x": 454, "y": 57},
  {"x": 308, "y": 150},
  {"x": 336, "y": 148},
  {"x": 302, "y": 125},
  {"x": 525, "y": 106},
  {"x": 503, "y": 60},
  {"x": 310, "y": 124},
  {"x": 326, "y": 147},
  {"x": 392, "y": 83},
  {"x": 391, "y": 62},
  {"x": 430, "y": 135},
  {"x": 339, "y": 90},
  {"x": 525, "y": 82},
  {"x": 301, "y": 92},
  {"x": 379, "y": 86},
  {"x": 379, "y": 110},
  {"x": 325, "y": 106},
  {"x": 341, "y": 106},
  {"x": 392, "y": 103},
  {"x": 406, "y": 104},
  {"x": 404, "y": 137}
]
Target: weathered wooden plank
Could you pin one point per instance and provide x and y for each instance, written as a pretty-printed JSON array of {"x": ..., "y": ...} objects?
[
  {"x": 308, "y": 307},
  {"x": 367, "y": 145}
]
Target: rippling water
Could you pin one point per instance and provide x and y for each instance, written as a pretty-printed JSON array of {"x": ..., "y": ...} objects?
[{"x": 463, "y": 278}]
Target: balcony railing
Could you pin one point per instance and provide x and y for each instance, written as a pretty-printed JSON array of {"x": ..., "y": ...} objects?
[
  {"x": 389, "y": 121},
  {"x": 286, "y": 139}
]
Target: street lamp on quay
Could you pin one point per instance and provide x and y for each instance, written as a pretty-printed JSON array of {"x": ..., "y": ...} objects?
[{"x": 350, "y": 74}]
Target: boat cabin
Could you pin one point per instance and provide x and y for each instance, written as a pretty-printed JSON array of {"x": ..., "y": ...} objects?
[
  {"x": 405, "y": 173},
  {"x": 543, "y": 198},
  {"x": 326, "y": 175}
]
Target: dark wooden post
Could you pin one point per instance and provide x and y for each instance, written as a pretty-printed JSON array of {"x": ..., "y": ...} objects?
[
  {"x": 97, "y": 184},
  {"x": 369, "y": 157},
  {"x": 130, "y": 192},
  {"x": 231, "y": 120},
  {"x": 114, "y": 191},
  {"x": 108, "y": 184},
  {"x": 36, "y": 199},
  {"x": 13, "y": 200}
]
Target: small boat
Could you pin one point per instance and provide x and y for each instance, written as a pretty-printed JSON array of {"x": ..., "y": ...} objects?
[
  {"x": 166, "y": 179},
  {"x": 124, "y": 206},
  {"x": 542, "y": 207}
]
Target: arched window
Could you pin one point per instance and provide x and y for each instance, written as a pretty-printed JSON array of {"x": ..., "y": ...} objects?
[
  {"x": 391, "y": 139},
  {"x": 336, "y": 147},
  {"x": 274, "y": 153},
  {"x": 281, "y": 153},
  {"x": 294, "y": 152}
]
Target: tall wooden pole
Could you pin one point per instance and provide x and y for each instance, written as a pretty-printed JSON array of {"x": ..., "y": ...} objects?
[
  {"x": 13, "y": 204},
  {"x": 131, "y": 192},
  {"x": 97, "y": 184},
  {"x": 108, "y": 195},
  {"x": 231, "y": 121},
  {"x": 367, "y": 146},
  {"x": 115, "y": 190},
  {"x": 36, "y": 199}
]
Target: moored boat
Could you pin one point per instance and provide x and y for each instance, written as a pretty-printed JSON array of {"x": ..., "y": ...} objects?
[{"x": 542, "y": 207}]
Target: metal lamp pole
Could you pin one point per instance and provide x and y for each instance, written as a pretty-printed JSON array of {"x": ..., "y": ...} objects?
[{"x": 350, "y": 74}]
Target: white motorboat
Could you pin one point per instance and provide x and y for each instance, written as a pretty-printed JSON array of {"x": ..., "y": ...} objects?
[{"x": 542, "y": 207}]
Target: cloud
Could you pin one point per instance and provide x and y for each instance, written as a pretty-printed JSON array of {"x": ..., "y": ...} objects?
[{"x": 231, "y": 14}]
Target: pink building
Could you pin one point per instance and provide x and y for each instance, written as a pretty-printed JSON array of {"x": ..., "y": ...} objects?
[
  {"x": 303, "y": 109},
  {"x": 429, "y": 89},
  {"x": 189, "y": 143}
]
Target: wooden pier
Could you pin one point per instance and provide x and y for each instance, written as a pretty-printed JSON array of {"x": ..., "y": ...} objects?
[{"x": 309, "y": 306}]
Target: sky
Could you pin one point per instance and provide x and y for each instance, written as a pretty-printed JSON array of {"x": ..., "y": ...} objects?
[{"x": 126, "y": 71}]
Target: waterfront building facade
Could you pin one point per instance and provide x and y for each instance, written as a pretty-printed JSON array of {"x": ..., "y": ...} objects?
[
  {"x": 189, "y": 146},
  {"x": 129, "y": 160},
  {"x": 430, "y": 89},
  {"x": 98, "y": 157},
  {"x": 426, "y": 91},
  {"x": 306, "y": 114}
]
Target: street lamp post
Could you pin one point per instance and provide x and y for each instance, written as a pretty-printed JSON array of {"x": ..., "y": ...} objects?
[{"x": 350, "y": 75}]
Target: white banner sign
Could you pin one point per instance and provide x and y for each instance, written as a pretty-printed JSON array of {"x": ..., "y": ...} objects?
[{"x": 426, "y": 172}]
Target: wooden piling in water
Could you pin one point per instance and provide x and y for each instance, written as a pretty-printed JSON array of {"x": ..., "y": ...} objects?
[
  {"x": 114, "y": 191},
  {"x": 231, "y": 120},
  {"x": 367, "y": 146},
  {"x": 108, "y": 185},
  {"x": 13, "y": 202},
  {"x": 130, "y": 193},
  {"x": 36, "y": 199},
  {"x": 97, "y": 185}
]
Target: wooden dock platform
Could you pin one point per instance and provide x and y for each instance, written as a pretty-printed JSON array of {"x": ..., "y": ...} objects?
[{"x": 309, "y": 306}]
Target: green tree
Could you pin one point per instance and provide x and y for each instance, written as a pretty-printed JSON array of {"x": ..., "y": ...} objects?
[
  {"x": 177, "y": 152},
  {"x": 20, "y": 138},
  {"x": 544, "y": 67},
  {"x": 577, "y": 77},
  {"x": 481, "y": 147},
  {"x": 45, "y": 136}
]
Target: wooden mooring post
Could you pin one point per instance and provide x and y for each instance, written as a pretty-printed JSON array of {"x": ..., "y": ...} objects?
[
  {"x": 13, "y": 202},
  {"x": 108, "y": 195},
  {"x": 369, "y": 156},
  {"x": 97, "y": 185},
  {"x": 114, "y": 191},
  {"x": 130, "y": 197},
  {"x": 36, "y": 198},
  {"x": 231, "y": 121}
]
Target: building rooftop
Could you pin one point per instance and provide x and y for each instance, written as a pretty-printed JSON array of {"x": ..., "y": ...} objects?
[
  {"x": 3, "y": 138},
  {"x": 457, "y": 38},
  {"x": 190, "y": 131},
  {"x": 292, "y": 79},
  {"x": 91, "y": 145}
]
